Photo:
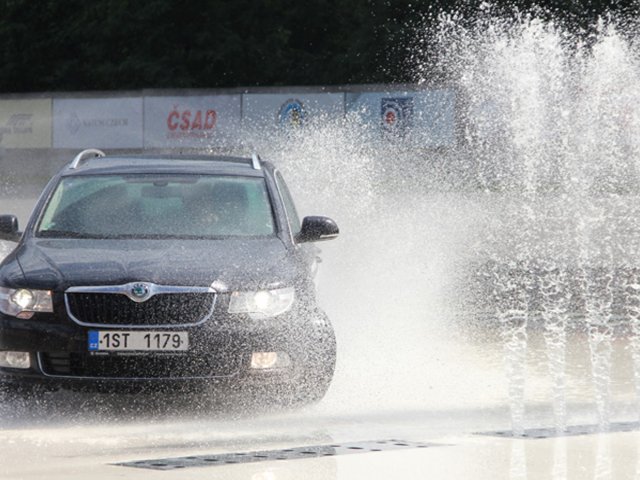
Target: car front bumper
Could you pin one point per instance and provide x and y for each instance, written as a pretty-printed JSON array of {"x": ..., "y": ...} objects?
[{"x": 219, "y": 354}]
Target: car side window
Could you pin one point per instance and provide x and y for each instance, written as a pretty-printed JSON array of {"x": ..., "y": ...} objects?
[{"x": 292, "y": 214}]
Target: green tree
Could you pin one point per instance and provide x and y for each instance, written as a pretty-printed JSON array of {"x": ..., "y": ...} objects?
[{"x": 53, "y": 45}]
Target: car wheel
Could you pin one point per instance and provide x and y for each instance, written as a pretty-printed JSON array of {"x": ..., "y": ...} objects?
[{"x": 319, "y": 366}]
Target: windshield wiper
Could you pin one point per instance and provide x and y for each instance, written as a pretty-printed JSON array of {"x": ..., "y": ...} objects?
[{"x": 67, "y": 234}]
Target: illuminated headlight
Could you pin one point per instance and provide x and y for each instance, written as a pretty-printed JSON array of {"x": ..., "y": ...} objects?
[
  {"x": 262, "y": 304},
  {"x": 23, "y": 303}
]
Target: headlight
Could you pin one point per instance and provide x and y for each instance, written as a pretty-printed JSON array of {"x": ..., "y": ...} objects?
[
  {"x": 262, "y": 304},
  {"x": 23, "y": 303}
]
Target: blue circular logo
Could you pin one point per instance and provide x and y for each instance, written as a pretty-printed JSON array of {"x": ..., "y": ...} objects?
[{"x": 292, "y": 113}]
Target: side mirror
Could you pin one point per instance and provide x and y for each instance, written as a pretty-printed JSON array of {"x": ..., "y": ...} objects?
[
  {"x": 9, "y": 228},
  {"x": 315, "y": 229}
]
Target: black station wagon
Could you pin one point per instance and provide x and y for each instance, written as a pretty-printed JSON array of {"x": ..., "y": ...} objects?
[{"x": 165, "y": 271}]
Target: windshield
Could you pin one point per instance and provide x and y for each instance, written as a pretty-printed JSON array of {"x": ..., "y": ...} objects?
[{"x": 157, "y": 206}]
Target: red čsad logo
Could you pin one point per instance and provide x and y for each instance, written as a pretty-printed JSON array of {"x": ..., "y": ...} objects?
[{"x": 198, "y": 123}]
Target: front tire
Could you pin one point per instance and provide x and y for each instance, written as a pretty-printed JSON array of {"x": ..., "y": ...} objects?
[{"x": 318, "y": 364}]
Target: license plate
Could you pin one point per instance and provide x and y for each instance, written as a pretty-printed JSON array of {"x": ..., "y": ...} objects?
[{"x": 145, "y": 341}]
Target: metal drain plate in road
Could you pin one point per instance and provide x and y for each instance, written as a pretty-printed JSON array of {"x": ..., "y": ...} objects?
[
  {"x": 267, "y": 455},
  {"x": 570, "y": 431}
]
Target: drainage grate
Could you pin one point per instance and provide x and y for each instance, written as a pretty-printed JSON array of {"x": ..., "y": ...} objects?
[
  {"x": 571, "y": 431},
  {"x": 267, "y": 455}
]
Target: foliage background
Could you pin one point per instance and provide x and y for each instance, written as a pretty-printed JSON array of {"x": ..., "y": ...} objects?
[{"x": 60, "y": 45}]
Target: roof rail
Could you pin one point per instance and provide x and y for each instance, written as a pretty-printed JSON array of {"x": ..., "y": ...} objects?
[
  {"x": 85, "y": 155},
  {"x": 255, "y": 161}
]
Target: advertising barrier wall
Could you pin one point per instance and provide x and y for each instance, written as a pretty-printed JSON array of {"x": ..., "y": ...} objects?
[
  {"x": 97, "y": 122},
  {"x": 289, "y": 110},
  {"x": 419, "y": 118},
  {"x": 25, "y": 123},
  {"x": 197, "y": 121}
]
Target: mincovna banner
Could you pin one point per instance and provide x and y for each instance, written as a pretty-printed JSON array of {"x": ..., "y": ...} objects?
[
  {"x": 200, "y": 121},
  {"x": 97, "y": 122},
  {"x": 25, "y": 123},
  {"x": 424, "y": 118},
  {"x": 289, "y": 110}
]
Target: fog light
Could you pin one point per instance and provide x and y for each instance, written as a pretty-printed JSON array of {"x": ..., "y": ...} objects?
[
  {"x": 266, "y": 360},
  {"x": 15, "y": 360}
]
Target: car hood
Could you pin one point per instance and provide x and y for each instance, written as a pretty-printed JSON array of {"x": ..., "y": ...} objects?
[{"x": 229, "y": 264}]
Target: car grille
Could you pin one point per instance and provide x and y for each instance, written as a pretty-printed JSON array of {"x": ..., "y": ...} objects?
[
  {"x": 164, "y": 309},
  {"x": 63, "y": 364}
]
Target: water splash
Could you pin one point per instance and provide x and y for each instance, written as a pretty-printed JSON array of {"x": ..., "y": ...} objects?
[
  {"x": 555, "y": 316},
  {"x": 518, "y": 461},
  {"x": 546, "y": 168},
  {"x": 551, "y": 122},
  {"x": 604, "y": 464},
  {"x": 632, "y": 301}
]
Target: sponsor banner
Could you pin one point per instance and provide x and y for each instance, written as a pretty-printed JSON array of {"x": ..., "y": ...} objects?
[
  {"x": 396, "y": 115},
  {"x": 289, "y": 110},
  {"x": 97, "y": 122},
  {"x": 25, "y": 123},
  {"x": 202, "y": 121},
  {"x": 424, "y": 118}
]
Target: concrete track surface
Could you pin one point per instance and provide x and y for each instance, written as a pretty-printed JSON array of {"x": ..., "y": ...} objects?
[{"x": 75, "y": 443}]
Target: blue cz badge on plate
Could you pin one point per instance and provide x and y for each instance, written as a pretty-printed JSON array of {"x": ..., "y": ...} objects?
[{"x": 94, "y": 340}]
